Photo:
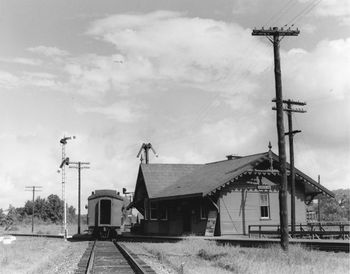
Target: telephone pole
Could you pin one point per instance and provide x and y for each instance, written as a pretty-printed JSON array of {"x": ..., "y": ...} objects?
[
  {"x": 278, "y": 34},
  {"x": 33, "y": 189},
  {"x": 79, "y": 166},
  {"x": 290, "y": 134}
]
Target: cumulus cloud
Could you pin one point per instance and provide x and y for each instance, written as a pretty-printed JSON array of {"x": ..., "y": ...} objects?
[
  {"x": 48, "y": 51},
  {"x": 8, "y": 80},
  {"x": 321, "y": 70},
  {"x": 121, "y": 111},
  {"x": 339, "y": 9},
  {"x": 196, "y": 52},
  {"x": 22, "y": 61}
]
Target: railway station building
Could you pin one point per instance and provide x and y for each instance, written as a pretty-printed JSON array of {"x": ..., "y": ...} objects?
[{"x": 219, "y": 198}]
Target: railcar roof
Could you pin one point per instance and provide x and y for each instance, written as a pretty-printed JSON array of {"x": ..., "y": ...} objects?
[{"x": 105, "y": 193}]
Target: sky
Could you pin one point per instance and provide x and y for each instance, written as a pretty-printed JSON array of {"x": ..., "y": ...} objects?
[{"x": 186, "y": 76}]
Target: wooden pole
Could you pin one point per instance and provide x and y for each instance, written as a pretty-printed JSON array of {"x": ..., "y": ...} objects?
[
  {"x": 79, "y": 166},
  {"x": 79, "y": 178},
  {"x": 276, "y": 33},
  {"x": 291, "y": 163},
  {"x": 33, "y": 210},
  {"x": 33, "y": 189},
  {"x": 281, "y": 146}
]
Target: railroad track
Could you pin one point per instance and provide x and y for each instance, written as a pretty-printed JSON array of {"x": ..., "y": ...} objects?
[{"x": 111, "y": 257}]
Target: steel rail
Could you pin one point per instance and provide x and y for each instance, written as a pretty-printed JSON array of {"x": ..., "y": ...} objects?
[{"x": 137, "y": 264}]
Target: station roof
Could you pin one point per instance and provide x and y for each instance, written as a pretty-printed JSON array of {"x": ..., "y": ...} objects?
[{"x": 166, "y": 181}]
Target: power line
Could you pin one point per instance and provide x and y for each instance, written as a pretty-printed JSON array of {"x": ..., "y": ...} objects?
[
  {"x": 280, "y": 12},
  {"x": 303, "y": 13}
]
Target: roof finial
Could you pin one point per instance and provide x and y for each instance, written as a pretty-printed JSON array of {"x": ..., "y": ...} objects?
[{"x": 270, "y": 156}]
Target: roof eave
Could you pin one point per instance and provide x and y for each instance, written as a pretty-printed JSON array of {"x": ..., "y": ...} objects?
[{"x": 183, "y": 196}]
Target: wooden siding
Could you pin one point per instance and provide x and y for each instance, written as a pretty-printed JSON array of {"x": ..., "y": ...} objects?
[
  {"x": 236, "y": 215},
  {"x": 183, "y": 218}
]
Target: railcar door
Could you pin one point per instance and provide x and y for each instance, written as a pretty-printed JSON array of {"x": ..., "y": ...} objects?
[{"x": 105, "y": 212}]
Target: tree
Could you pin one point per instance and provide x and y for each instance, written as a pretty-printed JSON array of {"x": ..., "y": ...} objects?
[
  {"x": 334, "y": 209},
  {"x": 2, "y": 217},
  {"x": 54, "y": 208},
  {"x": 11, "y": 217}
]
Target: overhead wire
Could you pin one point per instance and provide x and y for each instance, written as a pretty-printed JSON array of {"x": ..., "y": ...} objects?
[
  {"x": 208, "y": 106},
  {"x": 283, "y": 9},
  {"x": 303, "y": 13},
  {"x": 283, "y": 12}
]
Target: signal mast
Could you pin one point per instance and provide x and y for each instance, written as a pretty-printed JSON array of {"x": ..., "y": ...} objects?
[{"x": 146, "y": 147}]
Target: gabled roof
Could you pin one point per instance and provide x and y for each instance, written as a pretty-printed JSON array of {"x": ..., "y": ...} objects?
[
  {"x": 182, "y": 180},
  {"x": 157, "y": 177},
  {"x": 209, "y": 176}
]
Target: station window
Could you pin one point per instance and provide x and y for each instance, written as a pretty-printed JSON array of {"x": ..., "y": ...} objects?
[
  {"x": 203, "y": 213},
  {"x": 153, "y": 211},
  {"x": 163, "y": 213},
  {"x": 264, "y": 206}
]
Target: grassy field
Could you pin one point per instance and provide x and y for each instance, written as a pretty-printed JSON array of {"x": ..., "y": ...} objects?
[
  {"x": 40, "y": 255},
  {"x": 43, "y": 228},
  {"x": 204, "y": 257}
]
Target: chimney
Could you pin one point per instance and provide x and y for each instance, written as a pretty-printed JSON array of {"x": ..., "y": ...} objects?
[{"x": 232, "y": 157}]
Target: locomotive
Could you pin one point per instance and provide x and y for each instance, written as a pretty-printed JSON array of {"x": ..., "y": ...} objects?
[{"x": 106, "y": 210}]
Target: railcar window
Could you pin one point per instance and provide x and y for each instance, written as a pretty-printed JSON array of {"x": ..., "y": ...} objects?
[{"x": 105, "y": 212}]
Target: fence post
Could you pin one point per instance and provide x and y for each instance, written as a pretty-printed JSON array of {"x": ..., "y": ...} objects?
[{"x": 259, "y": 231}]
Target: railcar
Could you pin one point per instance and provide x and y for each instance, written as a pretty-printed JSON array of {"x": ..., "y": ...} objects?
[{"x": 105, "y": 213}]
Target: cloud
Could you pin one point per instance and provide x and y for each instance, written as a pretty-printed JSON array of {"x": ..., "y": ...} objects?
[
  {"x": 22, "y": 61},
  {"x": 167, "y": 46},
  {"x": 40, "y": 79},
  {"x": 320, "y": 77},
  {"x": 339, "y": 9},
  {"x": 335, "y": 8},
  {"x": 320, "y": 70},
  {"x": 121, "y": 111},
  {"x": 8, "y": 80},
  {"x": 49, "y": 51}
]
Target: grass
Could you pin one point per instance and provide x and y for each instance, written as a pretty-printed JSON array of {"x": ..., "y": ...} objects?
[
  {"x": 42, "y": 228},
  {"x": 200, "y": 256},
  {"x": 40, "y": 255}
]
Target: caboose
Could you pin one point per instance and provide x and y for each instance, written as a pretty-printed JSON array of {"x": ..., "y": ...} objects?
[{"x": 105, "y": 212}]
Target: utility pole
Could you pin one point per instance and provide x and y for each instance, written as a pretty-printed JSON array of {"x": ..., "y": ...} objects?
[
  {"x": 290, "y": 134},
  {"x": 33, "y": 189},
  {"x": 319, "y": 202},
  {"x": 278, "y": 34},
  {"x": 146, "y": 147},
  {"x": 65, "y": 161},
  {"x": 79, "y": 166}
]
